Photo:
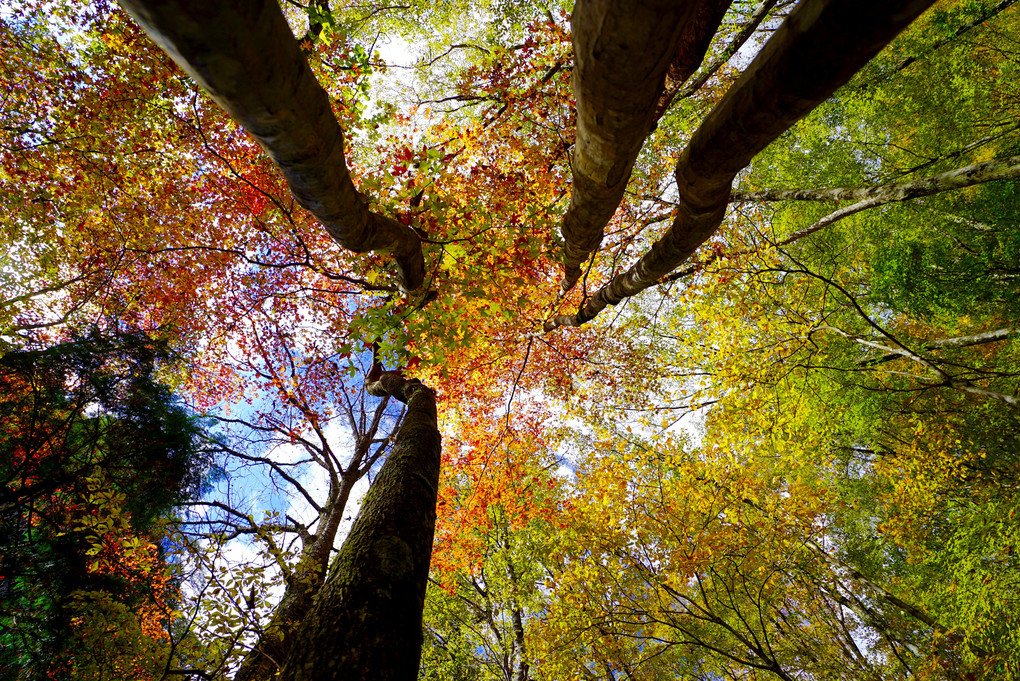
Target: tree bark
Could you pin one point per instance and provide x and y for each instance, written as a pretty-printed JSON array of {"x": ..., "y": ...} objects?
[
  {"x": 691, "y": 51},
  {"x": 244, "y": 55},
  {"x": 958, "y": 178},
  {"x": 817, "y": 49},
  {"x": 683, "y": 89},
  {"x": 622, "y": 52},
  {"x": 366, "y": 622}
]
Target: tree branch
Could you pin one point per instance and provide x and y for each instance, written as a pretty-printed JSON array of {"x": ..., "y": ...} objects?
[
  {"x": 243, "y": 54},
  {"x": 958, "y": 178},
  {"x": 817, "y": 49}
]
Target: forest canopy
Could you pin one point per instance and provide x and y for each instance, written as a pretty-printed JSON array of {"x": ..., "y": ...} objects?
[{"x": 510, "y": 340}]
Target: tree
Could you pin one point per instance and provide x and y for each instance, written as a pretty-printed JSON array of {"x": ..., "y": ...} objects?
[
  {"x": 95, "y": 455},
  {"x": 467, "y": 205}
]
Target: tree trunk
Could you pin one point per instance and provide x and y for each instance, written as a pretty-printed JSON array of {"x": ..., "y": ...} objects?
[
  {"x": 816, "y": 50},
  {"x": 622, "y": 52},
  {"x": 366, "y": 622},
  {"x": 243, "y": 54},
  {"x": 675, "y": 87}
]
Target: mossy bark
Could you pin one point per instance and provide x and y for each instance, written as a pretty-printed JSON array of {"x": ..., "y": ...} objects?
[{"x": 366, "y": 622}]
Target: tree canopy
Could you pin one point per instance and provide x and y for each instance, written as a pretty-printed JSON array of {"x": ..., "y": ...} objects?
[{"x": 669, "y": 340}]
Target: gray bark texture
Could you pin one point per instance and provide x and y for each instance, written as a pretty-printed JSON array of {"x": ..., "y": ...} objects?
[
  {"x": 958, "y": 178},
  {"x": 244, "y": 55},
  {"x": 816, "y": 50},
  {"x": 622, "y": 53},
  {"x": 366, "y": 622}
]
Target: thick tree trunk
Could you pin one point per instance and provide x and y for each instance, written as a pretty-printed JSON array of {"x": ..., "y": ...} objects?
[
  {"x": 244, "y": 55},
  {"x": 366, "y": 622},
  {"x": 816, "y": 50},
  {"x": 622, "y": 52},
  {"x": 306, "y": 578}
]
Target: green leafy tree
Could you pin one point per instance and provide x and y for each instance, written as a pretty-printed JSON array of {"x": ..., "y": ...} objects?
[{"x": 95, "y": 454}]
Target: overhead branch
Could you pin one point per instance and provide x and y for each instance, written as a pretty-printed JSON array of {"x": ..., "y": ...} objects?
[
  {"x": 998, "y": 169},
  {"x": 622, "y": 51},
  {"x": 817, "y": 49},
  {"x": 955, "y": 342},
  {"x": 244, "y": 55},
  {"x": 684, "y": 89},
  {"x": 892, "y": 599},
  {"x": 958, "y": 178},
  {"x": 939, "y": 375}
]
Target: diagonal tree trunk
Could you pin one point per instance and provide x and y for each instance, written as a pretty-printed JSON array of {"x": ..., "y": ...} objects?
[
  {"x": 622, "y": 54},
  {"x": 816, "y": 50},
  {"x": 304, "y": 579},
  {"x": 366, "y": 622},
  {"x": 243, "y": 54}
]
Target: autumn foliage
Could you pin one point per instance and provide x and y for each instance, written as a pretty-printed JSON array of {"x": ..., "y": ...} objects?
[{"x": 791, "y": 456}]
